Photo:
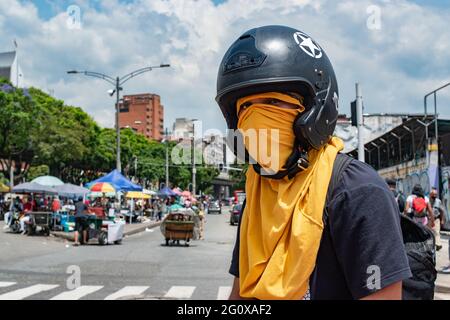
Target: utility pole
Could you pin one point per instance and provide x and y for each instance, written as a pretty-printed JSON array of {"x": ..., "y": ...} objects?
[
  {"x": 194, "y": 169},
  {"x": 11, "y": 176},
  {"x": 360, "y": 122},
  {"x": 118, "y": 164},
  {"x": 17, "y": 63},
  {"x": 135, "y": 168},
  {"x": 167, "y": 158}
]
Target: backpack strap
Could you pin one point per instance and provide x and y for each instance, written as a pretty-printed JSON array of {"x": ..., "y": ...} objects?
[{"x": 340, "y": 164}]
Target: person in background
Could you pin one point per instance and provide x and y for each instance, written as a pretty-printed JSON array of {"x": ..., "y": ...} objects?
[
  {"x": 15, "y": 206},
  {"x": 397, "y": 194},
  {"x": 164, "y": 205},
  {"x": 25, "y": 217},
  {"x": 81, "y": 213},
  {"x": 201, "y": 215},
  {"x": 418, "y": 207},
  {"x": 155, "y": 208},
  {"x": 56, "y": 204},
  {"x": 439, "y": 216}
]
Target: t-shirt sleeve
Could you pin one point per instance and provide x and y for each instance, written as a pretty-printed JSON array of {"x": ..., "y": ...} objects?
[
  {"x": 366, "y": 232},
  {"x": 234, "y": 267}
]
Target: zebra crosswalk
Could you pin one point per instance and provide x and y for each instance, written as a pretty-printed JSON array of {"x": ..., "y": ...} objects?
[{"x": 13, "y": 291}]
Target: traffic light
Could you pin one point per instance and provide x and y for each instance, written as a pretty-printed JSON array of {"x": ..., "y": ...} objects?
[{"x": 353, "y": 113}]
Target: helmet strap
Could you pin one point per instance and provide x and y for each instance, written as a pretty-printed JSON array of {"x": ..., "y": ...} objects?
[{"x": 297, "y": 162}]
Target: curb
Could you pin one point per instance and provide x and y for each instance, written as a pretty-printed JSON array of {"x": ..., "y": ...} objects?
[
  {"x": 441, "y": 288},
  {"x": 142, "y": 228},
  {"x": 69, "y": 236}
]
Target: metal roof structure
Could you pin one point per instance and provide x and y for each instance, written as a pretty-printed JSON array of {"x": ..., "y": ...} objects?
[{"x": 405, "y": 142}]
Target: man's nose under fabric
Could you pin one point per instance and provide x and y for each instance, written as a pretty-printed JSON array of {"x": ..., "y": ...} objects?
[{"x": 266, "y": 128}]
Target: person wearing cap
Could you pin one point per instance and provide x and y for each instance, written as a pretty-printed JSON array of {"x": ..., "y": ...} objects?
[
  {"x": 278, "y": 93},
  {"x": 392, "y": 184}
]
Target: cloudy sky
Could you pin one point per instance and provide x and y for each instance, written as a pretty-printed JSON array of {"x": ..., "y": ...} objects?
[{"x": 397, "y": 50}]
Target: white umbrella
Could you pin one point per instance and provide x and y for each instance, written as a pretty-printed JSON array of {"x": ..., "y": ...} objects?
[
  {"x": 150, "y": 192},
  {"x": 48, "y": 181}
]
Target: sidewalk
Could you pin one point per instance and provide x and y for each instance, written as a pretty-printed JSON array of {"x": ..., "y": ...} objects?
[
  {"x": 442, "y": 260},
  {"x": 129, "y": 230}
]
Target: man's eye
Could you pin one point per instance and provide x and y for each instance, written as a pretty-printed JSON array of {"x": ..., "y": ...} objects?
[{"x": 274, "y": 101}]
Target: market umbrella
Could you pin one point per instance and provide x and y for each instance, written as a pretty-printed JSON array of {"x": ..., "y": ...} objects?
[
  {"x": 137, "y": 195},
  {"x": 49, "y": 181},
  {"x": 118, "y": 181},
  {"x": 102, "y": 187},
  {"x": 177, "y": 191},
  {"x": 33, "y": 187},
  {"x": 71, "y": 190},
  {"x": 102, "y": 194},
  {"x": 175, "y": 207},
  {"x": 166, "y": 191},
  {"x": 3, "y": 188},
  {"x": 149, "y": 192}
]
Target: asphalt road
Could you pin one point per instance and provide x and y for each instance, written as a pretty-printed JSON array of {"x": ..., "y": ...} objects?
[{"x": 142, "y": 267}]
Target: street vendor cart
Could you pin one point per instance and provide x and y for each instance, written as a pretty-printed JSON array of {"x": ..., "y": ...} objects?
[
  {"x": 178, "y": 226},
  {"x": 105, "y": 231},
  {"x": 39, "y": 220}
]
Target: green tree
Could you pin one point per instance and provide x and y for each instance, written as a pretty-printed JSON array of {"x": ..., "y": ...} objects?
[
  {"x": 17, "y": 121},
  {"x": 237, "y": 176},
  {"x": 37, "y": 171},
  {"x": 64, "y": 138}
]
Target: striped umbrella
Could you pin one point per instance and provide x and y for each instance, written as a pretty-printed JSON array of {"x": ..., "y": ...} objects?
[{"x": 102, "y": 187}]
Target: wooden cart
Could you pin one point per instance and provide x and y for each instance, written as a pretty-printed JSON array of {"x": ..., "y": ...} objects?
[{"x": 177, "y": 226}]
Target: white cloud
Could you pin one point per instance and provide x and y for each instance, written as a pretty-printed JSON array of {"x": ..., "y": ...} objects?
[{"x": 396, "y": 65}]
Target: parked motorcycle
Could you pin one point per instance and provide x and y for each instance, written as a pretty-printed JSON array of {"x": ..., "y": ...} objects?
[{"x": 15, "y": 222}]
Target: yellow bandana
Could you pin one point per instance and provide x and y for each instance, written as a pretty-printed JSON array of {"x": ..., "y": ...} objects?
[{"x": 281, "y": 227}]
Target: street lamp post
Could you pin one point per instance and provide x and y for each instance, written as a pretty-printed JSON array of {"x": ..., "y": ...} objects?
[
  {"x": 167, "y": 156},
  {"x": 117, "y": 83},
  {"x": 194, "y": 169}
]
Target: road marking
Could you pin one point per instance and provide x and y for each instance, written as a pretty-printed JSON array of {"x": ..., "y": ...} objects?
[
  {"x": 6, "y": 284},
  {"x": 180, "y": 292},
  {"x": 20, "y": 294},
  {"x": 127, "y": 291},
  {"x": 77, "y": 293},
  {"x": 224, "y": 293},
  {"x": 441, "y": 296}
]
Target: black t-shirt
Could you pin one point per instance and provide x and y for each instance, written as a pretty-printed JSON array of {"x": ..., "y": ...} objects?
[{"x": 362, "y": 234}]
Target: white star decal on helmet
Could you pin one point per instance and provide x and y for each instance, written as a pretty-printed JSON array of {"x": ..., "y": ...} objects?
[{"x": 308, "y": 45}]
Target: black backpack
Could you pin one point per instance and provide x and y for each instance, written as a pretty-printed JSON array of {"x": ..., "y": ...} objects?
[{"x": 419, "y": 244}]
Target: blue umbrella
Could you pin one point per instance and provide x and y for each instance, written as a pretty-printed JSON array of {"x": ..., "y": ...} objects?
[
  {"x": 166, "y": 192},
  {"x": 118, "y": 181}
]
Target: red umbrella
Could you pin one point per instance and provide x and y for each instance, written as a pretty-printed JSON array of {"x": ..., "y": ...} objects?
[{"x": 102, "y": 187}]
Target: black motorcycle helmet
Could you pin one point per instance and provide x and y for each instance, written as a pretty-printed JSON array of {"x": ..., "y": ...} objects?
[{"x": 282, "y": 59}]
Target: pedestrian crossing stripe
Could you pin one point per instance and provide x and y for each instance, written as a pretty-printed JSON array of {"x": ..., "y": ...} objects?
[
  {"x": 224, "y": 293},
  {"x": 6, "y": 284},
  {"x": 174, "y": 292},
  {"x": 77, "y": 293},
  {"x": 127, "y": 292},
  {"x": 180, "y": 292},
  {"x": 23, "y": 293}
]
